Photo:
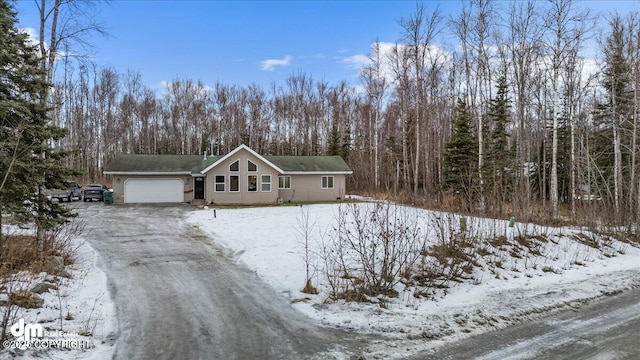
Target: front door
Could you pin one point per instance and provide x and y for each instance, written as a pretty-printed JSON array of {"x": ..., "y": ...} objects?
[{"x": 198, "y": 188}]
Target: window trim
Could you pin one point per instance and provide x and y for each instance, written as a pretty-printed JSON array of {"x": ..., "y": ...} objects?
[
  {"x": 262, "y": 183},
  {"x": 284, "y": 177},
  {"x": 216, "y": 183},
  {"x": 254, "y": 164},
  {"x": 249, "y": 183},
  {"x": 238, "y": 177},
  {"x": 322, "y": 181},
  {"x": 235, "y": 171}
]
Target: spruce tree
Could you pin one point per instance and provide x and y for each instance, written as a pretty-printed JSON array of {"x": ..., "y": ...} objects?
[
  {"x": 28, "y": 164},
  {"x": 345, "y": 148},
  {"x": 334, "y": 140},
  {"x": 499, "y": 155},
  {"x": 460, "y": 157},
  {"x": 612, "y": 118}
]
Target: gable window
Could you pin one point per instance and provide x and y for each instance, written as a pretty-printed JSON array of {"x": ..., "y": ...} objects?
[
  {"x": 235, "y": 166},
  {"x": 234, "y": 183},
  {"x": 219, "y": 183},
  {"x": 265, "y": 183},
  {"x": 252, "y": 183},
  {"x": 251, "y": 166},
  {"x": 327, "y": 182},
  {"x": 284, "y": 182}
]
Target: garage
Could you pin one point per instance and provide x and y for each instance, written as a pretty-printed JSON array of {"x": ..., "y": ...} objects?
[{"x": 154, "y": 191}]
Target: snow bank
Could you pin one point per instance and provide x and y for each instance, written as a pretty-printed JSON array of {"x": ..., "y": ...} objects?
[
  {"x": 504, "y": 289},
  {"x": 84, "y": 303}
]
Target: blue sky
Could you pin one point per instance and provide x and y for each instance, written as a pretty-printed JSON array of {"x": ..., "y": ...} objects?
[
  {"x": 229, "y": 41},
  {"x": 244, "y": 42}
]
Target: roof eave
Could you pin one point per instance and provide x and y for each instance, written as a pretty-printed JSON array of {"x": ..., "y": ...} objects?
[
  {"x": 147, "y": 172},
  {"x": 243, "y": 146},
  {"x": 317, "y": 172}
]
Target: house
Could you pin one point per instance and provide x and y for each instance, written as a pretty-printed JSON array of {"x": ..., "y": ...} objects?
[{"x": 239, "y": 177}]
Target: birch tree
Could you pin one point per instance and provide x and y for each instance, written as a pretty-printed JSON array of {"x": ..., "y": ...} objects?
[
  {"x": 566, "y": 26},
  {"x": 420, "y": 31},
  {"x": 376, "y": 85},
  {"x": 523, "y": 44},
  {"x": 616, "y": 82},
  {"x": 473, "y": 28}
]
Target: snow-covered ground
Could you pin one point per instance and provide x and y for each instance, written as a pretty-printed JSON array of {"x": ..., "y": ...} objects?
[
  {"x": 82, "y": 301},
  {"x": 557, "y": 269}
]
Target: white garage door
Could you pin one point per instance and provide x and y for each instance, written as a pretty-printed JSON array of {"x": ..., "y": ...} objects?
[{"x": 153, "y": 191}]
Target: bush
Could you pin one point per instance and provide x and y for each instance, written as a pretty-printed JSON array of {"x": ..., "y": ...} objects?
[{"x": 374, "y": 246}]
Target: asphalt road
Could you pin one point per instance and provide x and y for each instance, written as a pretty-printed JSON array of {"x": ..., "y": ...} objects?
[
  {"x": 180, "y": 297},
  {"x": 605, "y": 329}
]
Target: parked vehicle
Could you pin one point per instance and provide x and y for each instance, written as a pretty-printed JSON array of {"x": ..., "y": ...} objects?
[
  {"x": 73, "y": 190},
  {"x": 94, "y": 191}
]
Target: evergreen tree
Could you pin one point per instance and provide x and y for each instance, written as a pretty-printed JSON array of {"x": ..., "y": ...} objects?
[
  {"x": 28, "y": 163},
  {"x": 612, "y": 119},
  {"x": 334, "y": 140},
  {"x": 345, "y": 148},
  {"x": 499, "y": 158},
  {"x": 460, "y": 157}
]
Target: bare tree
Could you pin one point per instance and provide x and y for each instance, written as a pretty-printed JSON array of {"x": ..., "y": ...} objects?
[
  {"x": 400, "y": 64},
  {"x": 524, "y": 47},
  {"x": 420, "y": 31},
  {"x": 65, "y": 24},
  {"x": 567, "y": 27},
  {"x": 376, "y": 85},
  {"x": 305, "y": 228},
  {"x": 473, "y": 28}
]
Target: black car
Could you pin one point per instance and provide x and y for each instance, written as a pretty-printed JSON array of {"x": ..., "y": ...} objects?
[{"x": 94, "y": 191}]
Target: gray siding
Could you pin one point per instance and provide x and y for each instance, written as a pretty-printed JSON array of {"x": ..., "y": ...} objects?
[
  {"x": 309, "y": 188},
  {"x": 306, "y": 182},
  {"x": 243, "y": 196}
]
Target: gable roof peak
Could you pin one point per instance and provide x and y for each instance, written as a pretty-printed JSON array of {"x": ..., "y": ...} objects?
[{"x": 236, "y": 150}]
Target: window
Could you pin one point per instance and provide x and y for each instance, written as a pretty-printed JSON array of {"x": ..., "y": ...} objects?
[
  {"x": 284, "y": 182},
  {"x": 235, "y": 166},
  {"x": 251, "y": 166},
  {"x": 252, "y": 183},
  {"x": 327, "y": 182},
  {"x": 265, "y": 181},
  {"x": 234, "y": 183},
  {"x": 219, "y": 183}
]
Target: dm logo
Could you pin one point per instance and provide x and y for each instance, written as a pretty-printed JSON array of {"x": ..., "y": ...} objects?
[{"x": 24, "y": 333}]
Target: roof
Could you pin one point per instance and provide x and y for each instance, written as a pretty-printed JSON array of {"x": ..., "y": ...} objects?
[
  {"x": 310, "y": 164},
  {"x": 195, "y": 164},
  {"x": 160, "y": 164},
  {"x": 215, "y": 162}
]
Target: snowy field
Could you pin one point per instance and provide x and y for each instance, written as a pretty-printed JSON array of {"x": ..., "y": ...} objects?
[
  {"x": 80, "y": 307},
  {"x": 513, "y": 280},
  {"x": 518, "y": 273}
]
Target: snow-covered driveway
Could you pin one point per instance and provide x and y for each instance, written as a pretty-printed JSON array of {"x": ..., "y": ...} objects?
[{"x": 177, "y": 297}]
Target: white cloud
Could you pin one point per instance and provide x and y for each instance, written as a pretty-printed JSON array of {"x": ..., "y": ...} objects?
[
  {"x": 32, "y": 35},
  {"x": 590, "y": 68},
  {"x": 386, "y": 49},
  {"x": 357, "y": 61},
  {"x": 32, "y": 40},
  {"x": 271, "y": 64},
  {"x": 386, "y": 53}
]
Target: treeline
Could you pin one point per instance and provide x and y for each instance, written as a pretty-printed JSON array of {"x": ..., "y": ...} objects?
[{"x": 546, "y": 130}]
